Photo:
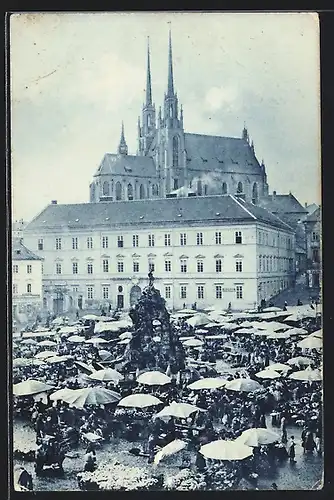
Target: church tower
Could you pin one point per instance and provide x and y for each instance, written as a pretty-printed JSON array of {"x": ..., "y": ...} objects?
[
  {"x": 147, "y": 131},
  {"x": 122, "y": 147},
  {"x": 171, "y": 135}
]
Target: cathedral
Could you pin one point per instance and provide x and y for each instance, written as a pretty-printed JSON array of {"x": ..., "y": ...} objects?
[{"x": 171, "y": 162}]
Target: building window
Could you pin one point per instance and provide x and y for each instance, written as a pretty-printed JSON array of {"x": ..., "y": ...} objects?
[
  {"x": 141, "y": 192},
  {"x": 183, "y": 239},
  {"x": 199, "y": 188},
  {"x": 151, "y": 240},
  {"x": 89, "y": 242},
  {"x": 218, "y": 236},
  {"x": 42, "y": 269},
  {"x": 118, "y": 191},
  {"x": 168, "y": 265},
  {"x": 15, "y": 288},
  {"x": 183, "y": 265},
  {"x": 271, "y": 263},
  {"x": 151, "y": 267},
  {"x": 105, "y": 265},
  {"x": 255, "y": 195},
  {"x": 219, "y": 292},
  {"x": 238, "y": 266},
  {"x": 15, "y": 268},
  {"x": 130, "y": 192},
  {"x": 176, "y": 183},
  {"x": 29, "y": 269},
  {"x": 175, "y": 151},
  {"x": 120, "y": 243},
  {"x": 40, "y": 244},
  {"x": 136, "y": 267},
  {"x": 75, "y": 268},
  {"x": 155, "y": 190},
  {"x": 105, "y": 188},
  {"x": 315, "y": 255},
  {"x": 240, "y": 188},
  {"x": 205, "y": 189},
  {"x": 219, "y": 266},
  {"x": 199, "y": 239},
  {"x": 58, "y": 243},
  {"x": 58, "y": 268},
  {"x": 239, "y": 292},
  {"x": 90, "y": 268},
  {"x": 105, "y": 292},
  {"x": 168, "y": 292},
  {"x": 29, "y": 288},
  {"x": 183, "y": 292},
  {"x": 224, "y": 188},
  {"x": 104, "y": 241},
  {"x": 200, "y": 266},
  {"x": 135, "y": 240},
  {"x": 200, "y": 292},
  {"x": 120, "y": 266},
  {"x": 260, "y": 263},
  {"x": 238, "y": 237},
  {"x": 315, "y": 236},
  {"x": 167, "y": 240},
  {"x": 90, "y": 293},
  {"x": 75, "y": 243}
]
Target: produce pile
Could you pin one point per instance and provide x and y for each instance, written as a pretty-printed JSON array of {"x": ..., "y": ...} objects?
[
  {"x": 117, "y": 477},
  {"x": 185, "y": 480}
]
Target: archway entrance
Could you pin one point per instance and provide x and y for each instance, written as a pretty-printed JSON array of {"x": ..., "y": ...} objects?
[{"x": 135, "y": 293}]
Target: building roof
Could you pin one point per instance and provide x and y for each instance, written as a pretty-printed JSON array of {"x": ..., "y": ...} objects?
[
  {"x": 314, "y": 216},
  {"x": 127, "y": 165},
  {"x": 282, "y": 203},
  {"x": 220, "y": 154},
  {"x": 20, "y": 252},
  {"x": 311, "y": 208},
  {"x": 181, "y": 211}
]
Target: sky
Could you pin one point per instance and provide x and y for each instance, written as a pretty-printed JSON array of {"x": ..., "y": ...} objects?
[{"x": 76, "y": 76}]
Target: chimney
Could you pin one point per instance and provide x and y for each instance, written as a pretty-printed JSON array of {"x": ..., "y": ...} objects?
[
  {"x": 274, "y": 195},
  {"x": 53, "y": 202},
  {"x": 305, "y": 204}
]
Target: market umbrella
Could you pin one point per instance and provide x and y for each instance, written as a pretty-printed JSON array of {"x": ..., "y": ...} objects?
[
  {"x": 104, "y": 355},
  {"x": 58, "y": 395},
  {"x": 310, "y": 343},
  {"x": 45, "y": 354},
  {"x": 201, "y": 331},
  {"x": 279, "y": 335},
  {"x": 268, "y": 373},
  {"x": 186, "y": 311},
  {"x": 207, "y": 383},
  {"x": 139, "y": 401},
  {"x": 22, "y": 362},
  {"x": 278, "y": 367},
  {"x": 243, "y": 385},
  {"x": 124, "y": 341},
  {"x": 96, "y": 340},
  {"x": 91, "y": 396},
  {"x": 76, "y": 339},
  {"x": 170, "y": 449},
  {"x": 307, "y": 375},
  {"x": 47, "y": 343},
  {"x": 317, "y": 334},
  {"x": 245, "y": 331},
  {"x": 109, "y": 374},
  {"x": 30, "y": 387},
  {"x": 258, "y": 436},
  {"x": 199, "y": 319},
  {"x": 92, "y": 317},
  {"x": 153, "y": 378},
  {"x": 226, "y": 450},
  {"x": 178, "y": 410},
  {"x": 272, "y": 309},
  {"x": 87, "y": 369},
  {"x": 29, "y": 342},
  {"x": 125, "y": 335},
  {"x": 58, "y": 359},
  {"x": 300, "y": 361},
  {"x": 68, "y": 329},
  {"x": 193, "y": 343}
]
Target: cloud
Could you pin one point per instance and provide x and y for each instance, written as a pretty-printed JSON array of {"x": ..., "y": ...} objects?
[{"x": 217, "y": 97}]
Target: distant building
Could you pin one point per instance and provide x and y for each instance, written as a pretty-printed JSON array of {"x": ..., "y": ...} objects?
[
  {"x": 312, "y": 225},
  {"x": 17, "y": 228},
  {"x": 26, "y": 282},
  {"x": 212, "y": 250}
]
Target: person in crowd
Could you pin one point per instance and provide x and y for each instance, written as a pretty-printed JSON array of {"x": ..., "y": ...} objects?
[
  {"x": 292, "y": 450},
  {"x": 90, "y": 459}
]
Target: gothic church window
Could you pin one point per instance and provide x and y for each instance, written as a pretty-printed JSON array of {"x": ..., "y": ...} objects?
[
  {"x": 130, "y": 192},
  {"x": 118, "y": 189},
  {"x": 175, "y": 151},
  {"x": 176, "y": 183},
  {"x": 141, "y": 192},
  {"x": 155, "y": 190},
  {"x": 240, "y": 188},
  {"x": 255, "y": 194},
  {"x": 224, "y": 188},
  {"x": 105, "y": 189},
  {"x": 199, "y": 188}
]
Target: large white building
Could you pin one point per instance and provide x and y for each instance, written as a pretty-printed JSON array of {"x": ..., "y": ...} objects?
[
  {"x": 26, "y": 281},
  {"x": 212, "y": 250}
]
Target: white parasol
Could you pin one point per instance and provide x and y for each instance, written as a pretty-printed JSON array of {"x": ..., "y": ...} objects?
[{"x": 226, "y": 450}]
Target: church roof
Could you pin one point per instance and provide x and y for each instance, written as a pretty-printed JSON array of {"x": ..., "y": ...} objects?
[
  {"x": 156, "y": 212},
  {"x": 220, "y": 154},
  {"x": 20, "y": 252},
  {"x": 282, "y": 203},
  {"x": 314, "y": 216},
  {"x": 127, "y": 165}
]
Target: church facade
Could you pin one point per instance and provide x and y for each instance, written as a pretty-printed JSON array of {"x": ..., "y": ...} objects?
[{"x": 171, "y": 162}]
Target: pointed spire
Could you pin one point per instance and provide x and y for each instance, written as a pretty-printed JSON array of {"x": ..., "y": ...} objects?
[
  {"x": 252, "y": 146},
  {"x": 122, "y": 148},
  {"x": 245, "y": 133},
  {"x": 170, "y": 88},
  {"x": 148, "y": 76}
]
